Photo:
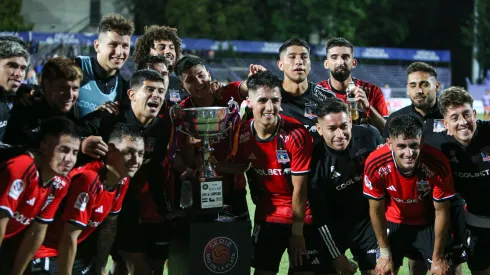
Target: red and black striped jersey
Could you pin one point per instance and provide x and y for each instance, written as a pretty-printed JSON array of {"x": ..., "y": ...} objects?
[{"x": 407, "y": 198}]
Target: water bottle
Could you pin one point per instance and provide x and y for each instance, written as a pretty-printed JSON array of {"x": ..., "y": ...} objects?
[
  {"x": 351, "y": 101},
  {"x": 186, "y": 194}
]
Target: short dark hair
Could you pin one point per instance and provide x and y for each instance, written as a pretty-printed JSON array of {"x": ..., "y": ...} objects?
[
  {"x": 421, "y": 67},
  {"x": 339, "y": 42},
  {"x": 153, "y": 33},
  {"x": 58, "y": 126},
  {"x": 293, "y": 42},
  {"x": 187, "y": 62},
  {"x": 454, "y": 96},
  {"x": 121, "y": 131},
  {"x": 263, "y": 79},
  {"x": 331, "y": 105},
  {"x": 151, "y": 59},
  {"x": 61, "y": 67},
  {"x": 406, "y": 126},
  {"x": 9, "y": 48},
  {"x": 116, "y": 23},
  {"x": 15, "y": 39},
  {"x": 141, "y": 76}
]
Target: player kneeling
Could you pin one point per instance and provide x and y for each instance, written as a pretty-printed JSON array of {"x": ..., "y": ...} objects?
[{"x": 97, "y": 192}]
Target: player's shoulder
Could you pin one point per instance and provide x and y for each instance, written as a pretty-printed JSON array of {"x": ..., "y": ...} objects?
[
  {"x": 245, "y": 131},
  {"x": 364, "y": 130},
  {"x": 186, "y": 103},
  {"x": 435, "y": 160},
  {"x": 367, "y": 86},
  {"x": 319, "y": 89},
  {"x": 379, "y": 157},
  {"x": 20, "y": 163},
  {"x": 407, "y": 110},
  {"x": 289, "y": 124}
]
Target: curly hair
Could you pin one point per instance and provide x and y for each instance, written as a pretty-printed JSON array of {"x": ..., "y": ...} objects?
[
  {"x": 116, "y": 23},
  {"x": 452, "y": 97},
  {"x": 156, "y": 33}
]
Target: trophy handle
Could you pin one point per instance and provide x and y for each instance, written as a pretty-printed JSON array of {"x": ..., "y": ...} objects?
[
  {"x": 233, "y": 105},
  {"x": 179, "y": 128},
  {"x": 173, "y": 113}
]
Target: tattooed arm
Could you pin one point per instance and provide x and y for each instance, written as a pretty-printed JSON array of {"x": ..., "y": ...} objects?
[{"x": 107, "y": 234}]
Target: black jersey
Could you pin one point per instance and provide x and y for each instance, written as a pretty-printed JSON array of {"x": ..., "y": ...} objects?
[
  {"x": 335, "y": 192},
  {"x": 175, "y": 93},
  {"x": 303, "y": 107},
  {"x": 470, "y": 165},
  {"x": 336, "y": 182},
  {"x": 432, "y": 120}
]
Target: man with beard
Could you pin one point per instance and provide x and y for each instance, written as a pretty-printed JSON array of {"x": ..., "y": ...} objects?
[
  {"x": 60, "y": 84},
  {"x": 164, "y": 41},
  {"x": 407, "y": 183},
  {"x": 466, "y": 145},
  {"x": 369, "y": 97},
  {"x": 339, "y": 210},
  {"x": 31, "y": 189},
  {"x": 101, "y": 79},
  {"x": 300, "y": 97},
  {"x": 146, "y": 98},
  {"x": 13, "y": 64},
  {"x": 93, "y": 202},
  {"x": 422, "y": 88}
]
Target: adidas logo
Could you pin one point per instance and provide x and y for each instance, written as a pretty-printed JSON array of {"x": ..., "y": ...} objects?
[
  {"x": 100, "y": 209},
  {"x": 31, "y": 201},
  {"x": 392, "y": 188},
  {"x": 335, "y": 174},
  {"x": 454, "y": 159},
  {"x": 315, "y": 261},
  {"x": 252, "y": 156},
  {"x": 87, "y": 87}
]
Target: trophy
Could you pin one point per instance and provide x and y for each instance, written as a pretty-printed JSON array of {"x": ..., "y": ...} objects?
[{"x": 205, "y": 123}]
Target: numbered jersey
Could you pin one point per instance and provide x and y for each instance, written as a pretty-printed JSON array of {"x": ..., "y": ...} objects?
[
  {"x": 408, "y": 200},
  {"x": 303, "y": 107},
  {"x": 275, "y": 160}
]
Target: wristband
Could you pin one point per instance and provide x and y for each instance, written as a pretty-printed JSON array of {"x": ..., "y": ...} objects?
[
  {"x": 384, "y": 253},
  {"x": 297, "y": 229}
]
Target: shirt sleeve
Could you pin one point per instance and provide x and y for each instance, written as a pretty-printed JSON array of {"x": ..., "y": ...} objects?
[
  {"x": 80, "y": 200},
  {"x": 444, "y": 187},
  {"x": 374, "y": 186},
  {"x": 244, "y": 140},
  {"x": 118, "y": 200},
  {"x": 60, "y": 187},
  {"x": 300, "y": 147},
  {"x": 12, "y": 187},
  {"x": 378, "y": 102},
  {"x": 232, "y": 90}
]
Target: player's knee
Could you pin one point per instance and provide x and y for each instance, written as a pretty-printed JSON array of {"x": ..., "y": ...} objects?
[
  {"x": 368, "y": 272},
  {"x": 417, "y": 267},
  {"x": 136, "y": 263}
]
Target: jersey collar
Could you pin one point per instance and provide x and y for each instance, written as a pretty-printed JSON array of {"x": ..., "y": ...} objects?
[{"x": 279, "y": 120}]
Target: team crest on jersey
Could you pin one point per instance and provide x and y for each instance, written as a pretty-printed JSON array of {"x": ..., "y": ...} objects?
[
  {"x": 438, "y": 126},
  {"x": 310, "y": 110},
  {"x": 174, "y": 95},
  {"x": 485, "y": 157},
  {"x": 81, "y": 202},
  {"x": 423, "y": 186},
  {"x": 16, "y": 189},
  {"x": 282, "y": 156}
]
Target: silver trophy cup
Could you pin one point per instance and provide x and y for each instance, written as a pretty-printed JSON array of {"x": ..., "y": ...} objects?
[{"x": 205, "y": 123}]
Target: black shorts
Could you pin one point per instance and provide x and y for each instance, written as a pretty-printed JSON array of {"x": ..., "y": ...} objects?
[
  {"x": 270, "y": 240},
  {"x": 417, "y": 243},
  {"x": 459, "y": 236},
  {"x": 47, "y": 266},
  {"x": 339, "y": 237},
  {"x": 478, "y": 245},
  {"x": 158, "y": 236}
]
